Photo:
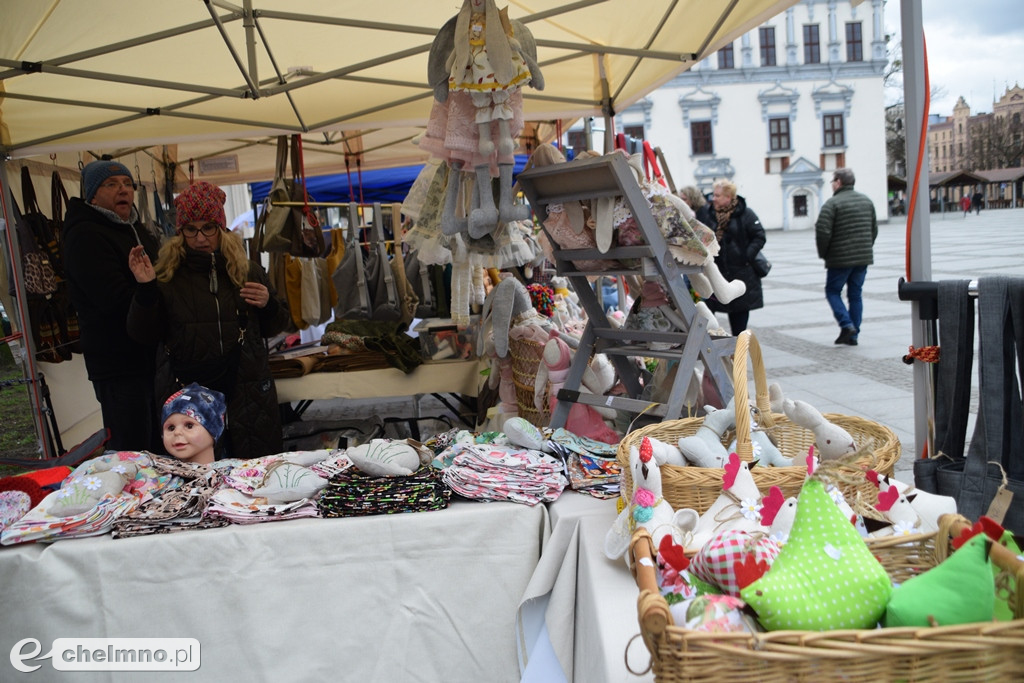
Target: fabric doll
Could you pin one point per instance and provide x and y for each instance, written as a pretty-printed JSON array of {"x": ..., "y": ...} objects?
[
  {"x": 193, "y": 420},
  {"x": 928, "y": 506},
  {"x": 738, "y": 507},
  {"x": 647, "y": 508},
  {"x": 833, "y": 441},
  {"x": 583, "y": 420},
  {"x": 478, "y": 64},
  {"x": 704, "y": 448}
]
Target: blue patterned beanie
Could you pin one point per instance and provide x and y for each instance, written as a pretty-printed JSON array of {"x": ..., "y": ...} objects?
[{"x": 205, "y": 406}]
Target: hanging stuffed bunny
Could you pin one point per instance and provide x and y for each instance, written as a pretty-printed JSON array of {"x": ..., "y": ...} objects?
[{"x": 478, "y": 64}]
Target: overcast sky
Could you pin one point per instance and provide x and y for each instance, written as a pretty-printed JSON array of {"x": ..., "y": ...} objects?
[{"x": 975, "y": 48}]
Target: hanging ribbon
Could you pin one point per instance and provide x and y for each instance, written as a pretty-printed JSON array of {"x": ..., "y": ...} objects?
[
  {"x": 359, "y": 172},
  {"x": 651, "y": 159},
  {"x": 922, "y": 149},
  {"x": 311, "y": 218},
  {"x": 348, "y": 175}
]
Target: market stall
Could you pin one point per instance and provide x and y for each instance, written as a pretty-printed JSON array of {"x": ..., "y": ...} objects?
[{"x": 77, "y": 84}]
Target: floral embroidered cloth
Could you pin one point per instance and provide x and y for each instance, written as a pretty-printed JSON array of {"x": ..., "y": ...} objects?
[{"x": 40, "y": 524}]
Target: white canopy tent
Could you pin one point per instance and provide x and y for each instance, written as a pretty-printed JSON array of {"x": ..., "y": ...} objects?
[
  {"x": 219, "y": 78},
  {"x": 159, "y": 83}
]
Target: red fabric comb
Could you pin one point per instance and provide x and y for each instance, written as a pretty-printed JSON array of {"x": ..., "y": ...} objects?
[
  {"x": 770, "y": 505},
  {"x": 732, "y": 468},
  {"x": 673, "y": 554},
  {"x": 748, "y": 570}
]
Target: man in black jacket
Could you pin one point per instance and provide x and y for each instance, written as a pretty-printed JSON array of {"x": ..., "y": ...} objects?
[
  {"x": 845, "y": 235},
  {"x": 99, "y": 231}
]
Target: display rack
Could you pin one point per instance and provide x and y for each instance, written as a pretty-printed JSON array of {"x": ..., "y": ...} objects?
[{"x": 611, "y": 176}]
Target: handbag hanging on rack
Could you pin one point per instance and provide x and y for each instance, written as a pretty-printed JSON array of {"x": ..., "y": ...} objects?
[
  {"x": 281, "y": 227},
  {"x": 365, "y": 283}
]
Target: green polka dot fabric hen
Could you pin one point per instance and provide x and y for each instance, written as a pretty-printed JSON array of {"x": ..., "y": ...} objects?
[{"x": 825, "y": 577}]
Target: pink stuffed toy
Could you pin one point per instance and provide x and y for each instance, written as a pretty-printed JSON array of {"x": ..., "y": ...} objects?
[{"x": 583, "y": 420}]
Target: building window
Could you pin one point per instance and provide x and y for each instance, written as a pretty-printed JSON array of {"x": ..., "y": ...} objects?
[
  {"x": 767, "y": 36},
  {"x": 778, "y": 134},
  {"x": 833, "y": 127},
  {"x": 812, "y": 46},
  {"x": 700, "y": 137},
  {"x": 799, "y": 205},
  {"x": 725, "y": 58},
  {"x": 635, "y": 132},
  {"x": 854, "y": 43}
]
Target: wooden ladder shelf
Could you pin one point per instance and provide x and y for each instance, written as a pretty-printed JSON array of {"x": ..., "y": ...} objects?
[{"x": 611, "y": 176}]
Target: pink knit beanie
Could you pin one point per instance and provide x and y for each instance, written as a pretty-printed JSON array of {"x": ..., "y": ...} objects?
[{"x": 201, "y": 202}]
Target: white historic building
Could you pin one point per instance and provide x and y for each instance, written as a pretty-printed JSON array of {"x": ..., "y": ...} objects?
[{"x": 777, "y": 111}]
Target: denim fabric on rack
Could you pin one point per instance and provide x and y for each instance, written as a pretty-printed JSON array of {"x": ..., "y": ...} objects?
[{"x": 996, "y": 451}]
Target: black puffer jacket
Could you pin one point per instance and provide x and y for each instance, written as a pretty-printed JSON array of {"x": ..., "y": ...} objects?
[
  {"x": 743, "y": 238},
  {"x": 199, "y": 314},
  {"x": 101, "y": 287}
]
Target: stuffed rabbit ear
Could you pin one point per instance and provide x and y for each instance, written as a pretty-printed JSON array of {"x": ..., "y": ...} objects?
[
  {"x": 574, "y": 212},
  {"x": 503, "y": 302},
  {"x": 603, "y": 209},
  {"x": 485, "y": 322}
]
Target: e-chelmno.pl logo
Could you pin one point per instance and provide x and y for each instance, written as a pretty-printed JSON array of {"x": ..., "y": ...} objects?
[{"x": 109, "y": 654}]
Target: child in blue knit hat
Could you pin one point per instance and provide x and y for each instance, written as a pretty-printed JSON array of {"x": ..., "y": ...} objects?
[{"x": 193, "y": 420}]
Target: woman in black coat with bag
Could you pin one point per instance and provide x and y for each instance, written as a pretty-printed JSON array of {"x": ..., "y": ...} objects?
[
  {"x": 740, "y": 237},
  {"x": 213, "y": 308}
]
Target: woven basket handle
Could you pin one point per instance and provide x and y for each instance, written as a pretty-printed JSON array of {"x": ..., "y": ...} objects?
[
  {"x": 748, "y": 346},
  {"x": 653, "y": 610}
]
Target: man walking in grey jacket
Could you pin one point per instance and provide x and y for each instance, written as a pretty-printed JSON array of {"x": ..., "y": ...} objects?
[{"x": 845, "y": 234}]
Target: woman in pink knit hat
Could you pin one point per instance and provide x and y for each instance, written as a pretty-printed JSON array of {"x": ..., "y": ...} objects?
[{"x": 213, "y": 308}]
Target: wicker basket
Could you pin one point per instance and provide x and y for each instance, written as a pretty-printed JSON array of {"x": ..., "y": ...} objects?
[
  {"x": 698, "y": 487},
  {"x": 526, "y": 358},
  {"x": 990, "y": 651}
]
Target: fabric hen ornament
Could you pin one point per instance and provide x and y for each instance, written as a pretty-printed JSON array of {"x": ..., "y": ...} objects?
[{"x": 824, "y": 577}]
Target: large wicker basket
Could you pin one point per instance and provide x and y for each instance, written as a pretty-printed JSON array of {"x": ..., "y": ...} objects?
[
  {"x": 526, "y": 358},
  {"x": 990, "y": 651},
  {"x": 698, "y": 487}
]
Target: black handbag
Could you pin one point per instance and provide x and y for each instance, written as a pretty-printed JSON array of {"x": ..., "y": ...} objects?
[{"x": 761, "y": 265}]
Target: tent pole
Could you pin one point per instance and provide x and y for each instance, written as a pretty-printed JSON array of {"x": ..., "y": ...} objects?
[
  {"x": 250, "y": 80},
  {"x": 20, "y": 319},
  {"x": 915, "y": 98}
]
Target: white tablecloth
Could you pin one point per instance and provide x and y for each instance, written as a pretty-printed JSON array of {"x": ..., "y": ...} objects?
[
  {"x": 578, "y": 615},
  {"x": 460, "y": 377},
  {"x": 429, "y": 596}
]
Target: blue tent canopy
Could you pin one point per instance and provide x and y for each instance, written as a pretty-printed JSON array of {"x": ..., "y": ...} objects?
[{"x": 381, "y": 185}]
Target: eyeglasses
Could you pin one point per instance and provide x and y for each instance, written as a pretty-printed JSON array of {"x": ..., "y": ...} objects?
[
  {"x": 208, "y": 229},
  {"x": 116, "y": 184}
]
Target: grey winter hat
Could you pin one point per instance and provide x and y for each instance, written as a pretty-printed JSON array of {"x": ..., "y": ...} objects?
[{"x": 96, "y": 172}]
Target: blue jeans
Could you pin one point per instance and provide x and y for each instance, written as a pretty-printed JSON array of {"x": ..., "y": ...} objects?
[{"x": 853, "y": 280}]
